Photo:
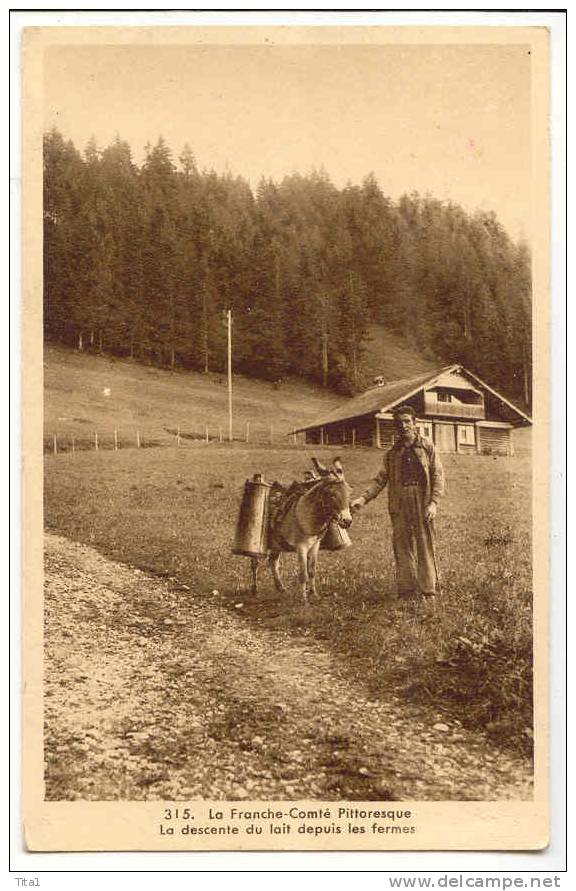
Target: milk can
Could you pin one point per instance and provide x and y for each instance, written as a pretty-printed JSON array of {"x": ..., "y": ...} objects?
[
  {"x": 335, "y": 538},
  {"x": 251, "y": 538}
]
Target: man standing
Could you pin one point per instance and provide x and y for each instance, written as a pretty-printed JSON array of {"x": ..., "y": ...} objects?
[{"x": 415, "y": 479}]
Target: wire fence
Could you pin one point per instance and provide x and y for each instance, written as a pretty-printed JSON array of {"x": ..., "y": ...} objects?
[{"x": 121, "y": 438}]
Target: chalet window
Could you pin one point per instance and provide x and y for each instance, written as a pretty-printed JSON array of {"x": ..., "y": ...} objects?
[
  {"x": 444, "y": 397},
  {"x": 466, "y": 434},
  {"x": 424, "y": 429}
]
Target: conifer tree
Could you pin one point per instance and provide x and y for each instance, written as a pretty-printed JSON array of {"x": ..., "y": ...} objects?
[{"x": 144, "y": 261}]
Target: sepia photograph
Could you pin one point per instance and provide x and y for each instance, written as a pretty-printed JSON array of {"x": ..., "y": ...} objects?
[{"x": 288, "y": 428}]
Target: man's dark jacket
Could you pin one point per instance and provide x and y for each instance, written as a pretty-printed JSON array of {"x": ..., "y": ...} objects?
[{"x": 391, "y": 473}]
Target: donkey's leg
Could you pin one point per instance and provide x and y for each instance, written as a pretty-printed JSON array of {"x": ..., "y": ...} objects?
[
  {"x": 274, "y": 559},
  {"x": 302, "y": 554},
  {"x": 312, "y": 559},
  {"x": 255, "y": 567}
]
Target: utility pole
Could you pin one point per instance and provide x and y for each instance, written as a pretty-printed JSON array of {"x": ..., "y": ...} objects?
[
  {"x": 525, "y": 357},
  {"x": 229, "y": 314},
  {"x": 354, "y": 345},
  {"x": 323, "y": 302},
  {"x": 205, "y": 328}
]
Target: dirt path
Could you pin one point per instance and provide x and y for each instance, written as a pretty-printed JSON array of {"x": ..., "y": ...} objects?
[{"x": 154, "y": 693}]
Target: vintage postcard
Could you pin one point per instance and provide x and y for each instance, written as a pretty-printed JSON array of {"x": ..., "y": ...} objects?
[{"x": 286, "y": 301}]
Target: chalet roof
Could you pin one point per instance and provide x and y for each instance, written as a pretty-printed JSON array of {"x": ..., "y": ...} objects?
[
  {"x": 383, "y": 397},
  {"x": 377, "y": 398}
]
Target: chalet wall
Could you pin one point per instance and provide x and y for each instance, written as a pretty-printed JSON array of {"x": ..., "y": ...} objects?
[
  {"x": 365, "y": 431},
  {"x": 445, "y": 436},
  {"x": 387, "y": 432},
  {"x": 358, "y": 431},
  {"x": 455, "y": 437},
  {"x": 337, "y": 434},
  {"x": 313, "y": 436},
  {"x": 494, "y": 440}
]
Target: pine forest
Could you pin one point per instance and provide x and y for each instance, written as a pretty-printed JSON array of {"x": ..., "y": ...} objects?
[{"x": 143, "y": 261}]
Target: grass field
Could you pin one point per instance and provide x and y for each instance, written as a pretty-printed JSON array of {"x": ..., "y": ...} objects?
[
  {"x": 172, "y": 512},
  {"x": 87, "y": 393}
]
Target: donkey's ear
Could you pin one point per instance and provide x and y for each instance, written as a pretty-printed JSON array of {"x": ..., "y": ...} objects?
[
  {"x": 338, "y": 467},
  {"x": 319, "y": 467}
]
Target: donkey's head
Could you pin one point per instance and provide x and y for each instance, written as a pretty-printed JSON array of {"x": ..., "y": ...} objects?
[{"x": 335, "y": 492}]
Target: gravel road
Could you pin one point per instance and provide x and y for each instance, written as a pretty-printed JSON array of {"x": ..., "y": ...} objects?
[{"x": 155, "y": 693}]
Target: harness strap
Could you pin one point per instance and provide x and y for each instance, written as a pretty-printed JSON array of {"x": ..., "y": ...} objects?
[{"x": 282, "y": 501}]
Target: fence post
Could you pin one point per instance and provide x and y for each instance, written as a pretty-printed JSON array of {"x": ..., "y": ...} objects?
[
  {"x": 294, "y": 437},
  {"x": 95, "y": 440},
  {"x": 73, "y": 445},
  {"x": 247, "y": 430},
  {"x": 220, "y": 434},
  {"x": 178, "y": 437},
  {"x": 353, "y": 437},
  {"x": 55, "y": 444},
  {"x": 137, "y": 439},
  {"x": 115, "y": 440},
  {"x": 207, "y": 435}
]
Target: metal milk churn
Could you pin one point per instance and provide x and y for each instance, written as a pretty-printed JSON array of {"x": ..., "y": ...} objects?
[
  {"x": 335, "y": 538},
  {"x": 251, "y": 538}
]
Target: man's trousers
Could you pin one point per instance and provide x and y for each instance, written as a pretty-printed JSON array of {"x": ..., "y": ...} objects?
[{"x": 413, "y": 543}]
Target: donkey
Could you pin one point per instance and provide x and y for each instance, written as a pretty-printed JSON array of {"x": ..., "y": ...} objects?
[{"x": 302, "y": 525}]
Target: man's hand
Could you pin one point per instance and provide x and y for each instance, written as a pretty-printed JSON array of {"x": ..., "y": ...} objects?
[
  {"x": 356, "y": 505},
  {"x": 430, "y": 512}
]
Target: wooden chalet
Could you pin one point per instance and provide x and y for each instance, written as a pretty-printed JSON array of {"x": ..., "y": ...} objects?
[{"x": 454, "y": 408}]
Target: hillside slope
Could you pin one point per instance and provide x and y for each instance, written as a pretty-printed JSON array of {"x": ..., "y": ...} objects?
[
  {"x": 86, "y": 393},
  {"x": 389, "y": 355}
]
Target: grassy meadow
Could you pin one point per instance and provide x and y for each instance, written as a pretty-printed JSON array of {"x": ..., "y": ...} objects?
[
  {"x": 88, "y": 393},
  {"x": 172, "y": 511}
]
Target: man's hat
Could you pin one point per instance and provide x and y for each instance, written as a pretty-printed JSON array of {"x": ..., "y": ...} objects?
[{"x": 404, "y": 410}]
